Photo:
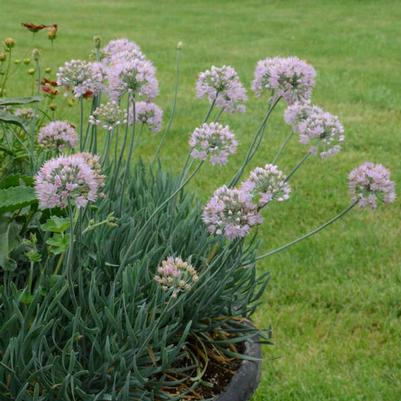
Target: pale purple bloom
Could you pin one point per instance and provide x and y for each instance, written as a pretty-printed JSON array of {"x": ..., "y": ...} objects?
[
  {"x": 289, "y": 77},
  {"x": 136, "y": 76},
  {"x": 108, "y": 116},
  {"x": 117, "y": 46},
  {"x": 83, "y": 78},
  {"x": 213, "y": 141},
  {"x": 58, "y": 135},
  {"x": 222, "y": 85},
  {"x": 231, "y": 212},
  {"x": 176, "y": 275},
  {"x": 67, "y": 179},
  {"x": 147, "y": 113},
  {"x": 322, "y": 130},
  {"x": 370, "y": 182},
  {"x": 265, "y": 184}
]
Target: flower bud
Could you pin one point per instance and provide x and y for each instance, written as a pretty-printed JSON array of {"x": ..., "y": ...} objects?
[
  {"x": 9, "y": 43},
  {"x": 180, "y": 45},
  {"x": 17, "y": 61},
  {"x": 3, "y": 56},
  {"x": 31, "y": 71},
  {"x": 48, "y": 70},
  {"x": 52, "y": 106},
  {"x": 36, "y": 54},
  {"x": 97, "y": 41},
  {"x": 27, "y": 61},
  {"x": 70, "y": 102},
  {"x": 52, "y": 33}
]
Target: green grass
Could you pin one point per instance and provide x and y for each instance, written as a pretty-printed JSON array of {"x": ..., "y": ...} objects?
[{"x": 334, "y": 301}]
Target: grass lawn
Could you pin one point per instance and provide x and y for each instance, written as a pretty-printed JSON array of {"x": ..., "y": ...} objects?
[{"x": 334, "y": 301}]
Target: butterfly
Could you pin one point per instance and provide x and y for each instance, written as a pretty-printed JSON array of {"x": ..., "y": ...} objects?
[{"x": 33, "y": 27}]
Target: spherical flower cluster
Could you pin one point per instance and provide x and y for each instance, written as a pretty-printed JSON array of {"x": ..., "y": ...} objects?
[
  {"x": 370, "y": 182},
  {"x": 93, "y": 161},
  {"x": 176, "y": 275},
  {"x": 231, "y": 212},
  {"x": 66, "y": 180},
  {"x": 136, "y": 76},
  {"x": 83, "y": 78},
  {"x": 316, "y": 127},
  {"x": 265, "y": 184},
  {"x": 58, "y": 135},
  {"x": 289, "y": 77},
  {"x": 108, "y": 116},
  {"x": 118, "y": 46},
  {"x": 222, "y": 86},
  {"x": 147, "y": 113},
  {"x": 213, "y": 141}
]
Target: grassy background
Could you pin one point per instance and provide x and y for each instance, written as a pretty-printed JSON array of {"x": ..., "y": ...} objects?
[{"x": 334, "y": 301}]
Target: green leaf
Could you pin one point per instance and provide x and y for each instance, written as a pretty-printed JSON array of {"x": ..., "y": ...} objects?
[
  {"x": 56, "y": 224},
  {"x": 16, "y": 180},
  {"x": 12, "y": 119},
  {"x": 8, "y": 242},
  {"x": 58, "y": 243},
  {"x": 19, "y": 100},
  {"x": 15, "y": 198}
]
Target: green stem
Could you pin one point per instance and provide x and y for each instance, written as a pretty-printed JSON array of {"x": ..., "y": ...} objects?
[
  {"x": 309, "y": 234},
  {"x": 257, "y": 139},
  {"x": 172, "y": 114},
  {"x": 211, "y": 108},
  {"x": 299, "y": 164},
  {"x": 282, "y": 147},
  {"x": 3, "y": 85},
  {"x": 81, "y": 124}
]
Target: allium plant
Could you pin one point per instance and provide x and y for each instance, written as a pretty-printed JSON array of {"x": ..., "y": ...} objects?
[
  {"x": 213, "y": 141},
  {"x": 58, "y": 135},
  {"x": 222, "y": 87},
  {"x": 130, "y": 286}
]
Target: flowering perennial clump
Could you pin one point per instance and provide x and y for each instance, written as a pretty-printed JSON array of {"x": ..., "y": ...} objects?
[
  {"x": 369, "y": 183},
  {"x": 147, "y": 113},
  {"x": 213, "y": 141},
  {"x": 231, "y": 212},
  {"x": 176, "y": 275},
  {"x": 108, "y": 116},
  {"x": 222, "y": 86},
  {"x": 288, "y": 77},
  {"x": 67, "y": 180},
  {"x": 58, "y": 135},
  {"x": 316, "y": 127},
  {"x": 83, "y": 78},
  {"x": 265, "y": 184}
]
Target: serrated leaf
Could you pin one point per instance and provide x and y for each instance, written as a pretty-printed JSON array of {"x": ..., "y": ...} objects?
[
  {"x": 16, "y": 180},
  {"x": 56, "y": 224},
  {"x": 15, "y": 198},
  {"x": 19, "y": 100}
]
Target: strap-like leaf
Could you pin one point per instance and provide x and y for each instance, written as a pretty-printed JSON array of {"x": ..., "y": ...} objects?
[
  {"x": 19, "y": 100},
  {"x": 12, "y": 119}
]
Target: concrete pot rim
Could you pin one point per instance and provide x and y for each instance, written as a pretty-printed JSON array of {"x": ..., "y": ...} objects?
[{"x": 246, "y": 379}]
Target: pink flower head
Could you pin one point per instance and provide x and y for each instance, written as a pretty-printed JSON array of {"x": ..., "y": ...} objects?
[
  {"x": 135, "y": 75},
  {"x": 117, "y": 46},
  {"x": 67, "y": 179},
  {"x": 289, "y": 77},
  {"x": 58, "y": 135},
  {"x": 213, "y": 141},
  {"x": 316, "y": 127},
  {"x": 370, "y": 182},
  {"x": 222, "y": 86},
  {"x": 83, "y": 78},
  {"x": 108, "y": 115},
  {"x": 147, "y": 113},
  {"x": 231, "y": 212},
  {"x": 265, "y": 184},
  {"x": 176, "y": 275}
]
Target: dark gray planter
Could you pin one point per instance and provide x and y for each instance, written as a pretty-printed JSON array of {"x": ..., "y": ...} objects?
[{"x": 246, "y": 379}]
